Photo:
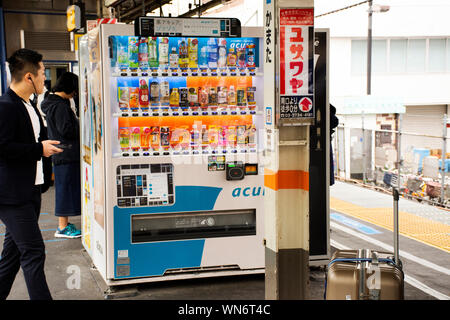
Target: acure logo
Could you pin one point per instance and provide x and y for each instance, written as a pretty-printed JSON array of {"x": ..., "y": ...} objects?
[{"x": 248, "y": 192}]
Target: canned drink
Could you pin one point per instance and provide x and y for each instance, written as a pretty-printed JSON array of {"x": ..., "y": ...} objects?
[
  {"x": 251, "y": 96},
  {"x": 241, "y": 136},
  {"x": 241, "y": 97},
  {"x": 165, "y": 137},
  {"x": 241, "y": 59},
  {"x": 212, "y": 97}
]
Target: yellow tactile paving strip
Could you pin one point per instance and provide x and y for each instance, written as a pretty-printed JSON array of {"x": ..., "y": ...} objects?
[{"x": 418, "y": 228}]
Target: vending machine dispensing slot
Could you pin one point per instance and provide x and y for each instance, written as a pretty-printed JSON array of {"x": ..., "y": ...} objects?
[{"x": 188, "y": 225}]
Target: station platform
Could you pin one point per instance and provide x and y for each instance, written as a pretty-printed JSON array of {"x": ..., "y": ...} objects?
[{"x": 357, "y": 205}]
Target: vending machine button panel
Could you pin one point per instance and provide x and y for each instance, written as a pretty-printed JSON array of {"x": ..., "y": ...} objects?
[{"x": 143, "y": 185}]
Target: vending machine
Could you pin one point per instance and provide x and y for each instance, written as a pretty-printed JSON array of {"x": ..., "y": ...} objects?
[{"x": 172, "y": 170}]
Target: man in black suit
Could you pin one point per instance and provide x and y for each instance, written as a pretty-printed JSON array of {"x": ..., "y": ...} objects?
[{"x": 23, "y": 143}]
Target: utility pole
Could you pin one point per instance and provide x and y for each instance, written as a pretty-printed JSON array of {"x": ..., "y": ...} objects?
[
  {"x": 289, "y": 112},
  {"x": 369, "y": 50}
]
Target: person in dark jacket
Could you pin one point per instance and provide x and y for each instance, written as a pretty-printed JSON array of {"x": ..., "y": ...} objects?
[
  {"x": 23, "y": 144},
  {"x": 334, "y": 122},
  {"x": 63, "y": 125}
]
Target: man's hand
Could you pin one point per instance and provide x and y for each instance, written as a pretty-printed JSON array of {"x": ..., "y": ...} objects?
[{"x": 49, "y": 148}]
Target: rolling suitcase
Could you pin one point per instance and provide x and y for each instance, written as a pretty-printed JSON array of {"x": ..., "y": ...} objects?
[{"x": 381, "y": 272}]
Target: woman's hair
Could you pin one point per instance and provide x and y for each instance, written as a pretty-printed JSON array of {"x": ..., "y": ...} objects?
[{"x": 67, "y": 83}]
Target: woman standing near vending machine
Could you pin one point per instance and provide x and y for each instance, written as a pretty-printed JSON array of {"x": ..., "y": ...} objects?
[{"x": 63, "y": 123}]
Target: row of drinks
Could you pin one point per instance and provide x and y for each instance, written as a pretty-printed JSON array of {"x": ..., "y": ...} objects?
[
  {"x": 167, "y": 138},
  {"x": 160, "y": 94},
  {"x": 144, "y": 53}
]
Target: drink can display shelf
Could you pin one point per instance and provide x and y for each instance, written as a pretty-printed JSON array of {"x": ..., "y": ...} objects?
[
  {"x": 198, "y": 152},
  {"x": 170, "y": 72},
  {"x": 171, "y": 113}
]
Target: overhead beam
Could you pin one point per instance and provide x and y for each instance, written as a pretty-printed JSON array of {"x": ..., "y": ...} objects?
[
  {"x": 203, "y": 8},
  {"x": 137, "y": 11}
]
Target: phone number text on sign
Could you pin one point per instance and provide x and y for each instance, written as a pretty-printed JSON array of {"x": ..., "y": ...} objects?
[{"x": 292, "y": 107}]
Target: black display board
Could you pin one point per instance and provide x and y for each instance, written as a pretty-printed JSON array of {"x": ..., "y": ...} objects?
[{"x": 318, "y": 184}]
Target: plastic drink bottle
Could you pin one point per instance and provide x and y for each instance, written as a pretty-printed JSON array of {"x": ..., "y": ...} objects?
[
  {"x": 152, "y": 52},
  {"x": 143, "y": 53},
  {"x": 193, "y": 52},
  {"x": 183, "y": 59},
  {"x": 203, "y": 97},
  {"x": 193, "y": 98},
  {"x": 134, "y": 98},
  {"x": 231, "y": 58},
  {"x": 124, "y": 98},
  {"x": 154, "y": 93},
  {"x": 232, "y": 97},
  {"x": 165, "y": 92},
  {"x": 124, "y": 138},
  {"x": 135, "y": 142},
  {"x": 122, "y": 53},
  {"x": 195, "y": 137},
  {"x": 164, "y": 52},
  {"x": 155, "y": 138},
  {"x": 145, "y": 138},
  {"x": 173, "y": 58},
  {"x": 222, "y": 61},
  {"x": 183, "y": 98},
  {"x": 222, "y": 96},
  {"x": 143, "y": 94},
  {"x": 203, "y": 60},
  {"x": 133, "y": 50},
  {"x": 212, "y": 53},
  {"x": 174, "y": 99},
  {"x": 205, "y": 139},
  {"x": 213, "y": 136}
]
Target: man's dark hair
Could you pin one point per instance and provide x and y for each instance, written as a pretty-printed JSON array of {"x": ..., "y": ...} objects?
[
  {"x": 67, "y": 83},
  {"x": 23, "y": 61}
]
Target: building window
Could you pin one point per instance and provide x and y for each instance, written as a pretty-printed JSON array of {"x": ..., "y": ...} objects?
[
  {"x": 379, "y": 63},
  {"x": 397, "y": 55},
  {"x": 359, "y": 56},
  {"x": 448, "y": 54},
  {"x": 416, "y": 55},
  {"x": 436, "y": 55}
]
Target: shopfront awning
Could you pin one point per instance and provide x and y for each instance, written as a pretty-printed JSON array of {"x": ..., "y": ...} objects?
[{"x": 368, "y": 105}]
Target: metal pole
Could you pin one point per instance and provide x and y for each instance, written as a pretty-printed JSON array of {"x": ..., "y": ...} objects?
[
  {"x": 399, "y": 149},
  {"x": 444, "y": 152},
  {"x": 369, "y": 50},
  {"x": 363, "y": 147},
  {"x": 396, "y": 230}
]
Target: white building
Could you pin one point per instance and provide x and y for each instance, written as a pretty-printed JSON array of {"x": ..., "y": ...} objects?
[{"x": 410, "y": 66}]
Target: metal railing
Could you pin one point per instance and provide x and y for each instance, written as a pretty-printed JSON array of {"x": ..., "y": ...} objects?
[{"x": 415, "y": 163}]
